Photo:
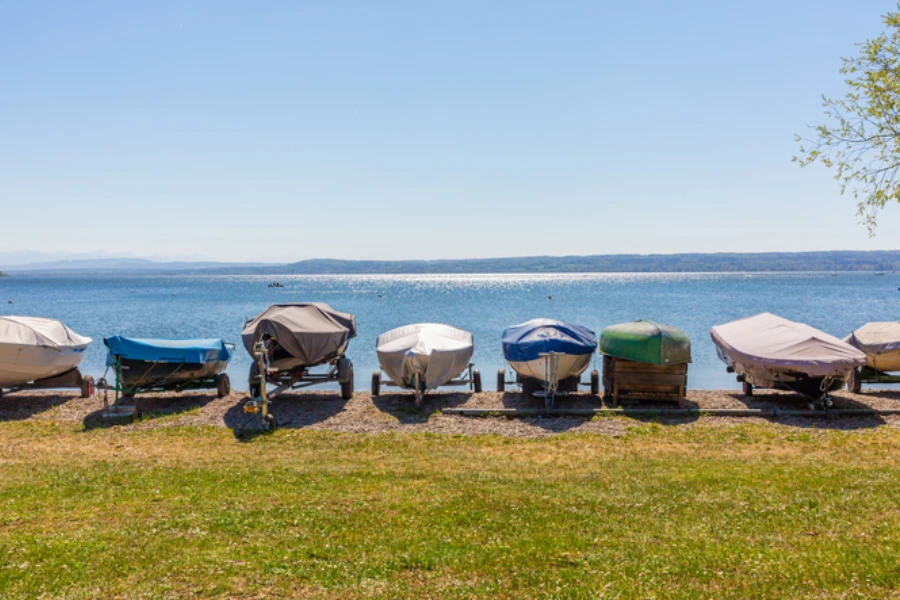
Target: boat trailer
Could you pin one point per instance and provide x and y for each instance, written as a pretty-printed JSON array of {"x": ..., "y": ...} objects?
[
  {"x": 551, "y": 386},
  {"x": 472, "y": 379},
  {"x": 72, "y": 379},
  {"x": 340, "y": 370}
]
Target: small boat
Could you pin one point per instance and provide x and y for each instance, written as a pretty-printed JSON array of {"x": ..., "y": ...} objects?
[
  {"x": 36, "y": 352},
  {"x": 425, "y": 356},
  {"x": 276, "y": 284},
  {"x": 646, "y": 342},
  {"x": 547, "y": 354},
  {"x": 880, "y": 342},
  {"x": 151, "y": 365},
  {"x": 768, "y": 351},
  {"x": 287, "y": 340}
]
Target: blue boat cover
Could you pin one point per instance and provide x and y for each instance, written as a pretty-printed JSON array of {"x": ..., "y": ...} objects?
[
  {"x": 167, "y": 351},
  {"x": 527, "y": 341}
]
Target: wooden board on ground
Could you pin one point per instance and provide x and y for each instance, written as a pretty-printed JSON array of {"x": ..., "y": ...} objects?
[{"x": 629, "y": 382}]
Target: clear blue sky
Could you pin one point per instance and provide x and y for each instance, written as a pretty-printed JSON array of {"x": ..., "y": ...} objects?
[{"x": 288, "y": 130}]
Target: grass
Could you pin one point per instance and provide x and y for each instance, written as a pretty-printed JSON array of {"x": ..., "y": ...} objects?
[{"x": 746, "y": 511}]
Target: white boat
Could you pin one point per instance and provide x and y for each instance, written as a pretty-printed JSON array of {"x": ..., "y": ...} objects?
[
  {"x": 425, "y": 356},
  {"x": 768, "y": 351},
  {"x": 34, "y": 348}
]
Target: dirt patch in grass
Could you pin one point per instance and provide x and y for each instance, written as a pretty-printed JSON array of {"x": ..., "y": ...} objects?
[{"x": 396, "y": 412}]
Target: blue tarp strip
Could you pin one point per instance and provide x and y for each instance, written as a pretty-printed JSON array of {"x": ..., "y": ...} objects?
[
  {"x": 529, "y": 340},
  {"x": 169, "y": 351}
]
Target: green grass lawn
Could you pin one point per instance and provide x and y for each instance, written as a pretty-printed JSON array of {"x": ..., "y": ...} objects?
[{"x": 710, "y": 511}]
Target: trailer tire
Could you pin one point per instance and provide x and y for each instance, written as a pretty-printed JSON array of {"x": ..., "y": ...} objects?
[
  {"x": 223, "y": 385},
  {"x": 376, "y": 383},
  {"x": 345, "y": 370},
  {"x": 854, "y": 383},
  {"x": 748, "y": 388},
  {"x": 501, "y": 380},
  {"x": 254, "y": 381},
  {"x": 347, "y": 386},
  {"x": 476, "y": 381},
  {"x": 530, "y": 386},
  {"x": 595, "y": 383},
  {"x": 87, "y": 386}
]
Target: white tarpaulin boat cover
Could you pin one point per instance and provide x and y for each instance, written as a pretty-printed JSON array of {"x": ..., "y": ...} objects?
[
  {"x": 876, "y": 338},
  {"x": 434, "y": 351},
  {"x": 311, "y": 333},
  {"x": 771, "y": 342},
  {"x": 40, "y": 332}
]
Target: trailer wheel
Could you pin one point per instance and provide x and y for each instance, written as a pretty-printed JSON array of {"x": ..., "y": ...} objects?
[
  {"x": 854, "y": 383},
  {"x": 255, "y": 382},
  {"x": 376, "y": 383},
  {"x": 748, "y": 388},
  {"x": 476, "y": 381},
  {"x": 269, "y": 422},
  {"x": 87, "y": 386},
  {"x": 595, "y": 383},
  {"x": 347, "y": 386},
  {"x": 501, "y": 380},
  {"x": 223, "y": 385}
]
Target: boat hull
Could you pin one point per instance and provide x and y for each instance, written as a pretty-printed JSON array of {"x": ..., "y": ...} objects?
[
  {"x": 791, "y": 380},
  {"x": 432, "y": 353},
  {"x": 21, "y": 364},
  {"x": 568, "y": 365},
  {"x": 144, "y": 375}
]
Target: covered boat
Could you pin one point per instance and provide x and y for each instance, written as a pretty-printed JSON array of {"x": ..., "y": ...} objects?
[
  {"x": 425, "y": 356},
  {"x": 880, "y": 342},
  {"x": 548, "y": 352},
  {"x": 144, "y": 365},
  {"x": 287, "y": 340},
  {"x": 772, "y": 352},
  {"x": 36, "y": 349},
  {"x": 646, "y": 342}
]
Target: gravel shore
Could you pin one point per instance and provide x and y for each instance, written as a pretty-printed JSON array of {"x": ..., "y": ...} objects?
[{"x": 395, "y": 412}]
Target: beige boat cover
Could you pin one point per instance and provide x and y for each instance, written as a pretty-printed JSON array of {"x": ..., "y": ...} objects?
[
  {"x": 310, "y": 332},
  {"x": 41, "y": 332},
  {"x": 876, "y": 337},
  {"x": 772, "y": 342},
  {"x": 434, "y": 351}
]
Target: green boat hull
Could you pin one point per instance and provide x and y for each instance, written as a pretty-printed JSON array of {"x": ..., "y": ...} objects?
[{"x": 646, "y": 342}]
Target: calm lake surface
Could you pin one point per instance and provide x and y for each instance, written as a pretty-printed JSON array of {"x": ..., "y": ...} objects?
[{"x": 217, "y": 306}]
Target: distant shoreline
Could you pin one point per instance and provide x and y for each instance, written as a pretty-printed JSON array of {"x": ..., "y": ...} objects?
[{"x": 884, "y": 261}]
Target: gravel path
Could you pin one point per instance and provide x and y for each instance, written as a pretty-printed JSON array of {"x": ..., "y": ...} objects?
[{"x": 396, "y": 412}]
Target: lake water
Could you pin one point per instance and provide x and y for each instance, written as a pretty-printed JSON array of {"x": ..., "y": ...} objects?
[{"x": 217, "y": 306}]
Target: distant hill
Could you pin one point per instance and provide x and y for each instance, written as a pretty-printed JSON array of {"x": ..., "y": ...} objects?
[
  {"x": 839, "y": 260},
  {"x": 834, "y": 260}
]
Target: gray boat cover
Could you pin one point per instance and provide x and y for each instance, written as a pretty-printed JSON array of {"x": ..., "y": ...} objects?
[
  {"x": 38, "y": 331},
  {"x": 876, "y": 337},
  {"x": 770, "y": 342},
  {"x": 434, "y": 351},
  {"x": 312, "y": 333}
]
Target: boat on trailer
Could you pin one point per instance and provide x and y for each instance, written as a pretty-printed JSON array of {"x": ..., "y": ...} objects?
[
  {"x": 41, "y": 353},
  {"x": 425, "y": 356},
  {"x": 768, "y": 351},
  {"x": 548, "y": 357},
  {"x": 287, "y": 341},
  {"x": 144, "y": 365},
  {"x": 880, "y": 342}
]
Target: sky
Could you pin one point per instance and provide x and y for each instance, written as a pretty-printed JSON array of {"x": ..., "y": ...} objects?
[{"x": 280, "y": 131}]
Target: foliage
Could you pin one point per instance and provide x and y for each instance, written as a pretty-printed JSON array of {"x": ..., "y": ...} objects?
[
  {"x": 713, "y": 511},
  {"x": 861, "y": 140}
]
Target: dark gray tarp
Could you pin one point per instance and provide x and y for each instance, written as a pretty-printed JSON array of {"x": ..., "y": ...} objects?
[{"x": 306, "y": 333}]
